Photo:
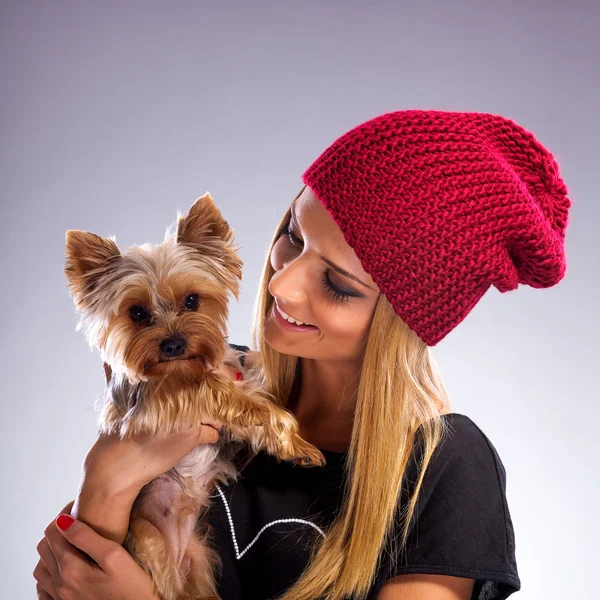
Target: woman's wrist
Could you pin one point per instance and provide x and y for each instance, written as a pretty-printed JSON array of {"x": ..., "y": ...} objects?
[
  {"x": 106, "y": 509},
  {"x": 101, "y": 472},
  {"x": 110, "y": 487}
]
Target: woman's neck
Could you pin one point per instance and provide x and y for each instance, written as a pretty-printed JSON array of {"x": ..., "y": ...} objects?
[{"x": 323, "y": 400}]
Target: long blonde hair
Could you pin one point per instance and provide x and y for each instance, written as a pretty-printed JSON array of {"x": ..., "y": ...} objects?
[{"x": 400, "y": 391}]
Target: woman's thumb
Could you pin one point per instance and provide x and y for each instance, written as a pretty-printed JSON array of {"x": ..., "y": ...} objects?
[{"x": 82, "y": 536}]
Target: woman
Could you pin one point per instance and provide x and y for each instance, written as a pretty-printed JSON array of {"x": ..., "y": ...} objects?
[{"x": 402, "y": 225}]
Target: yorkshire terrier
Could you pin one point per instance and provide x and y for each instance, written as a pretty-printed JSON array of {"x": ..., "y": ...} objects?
[{"x": 157, "y": 313}]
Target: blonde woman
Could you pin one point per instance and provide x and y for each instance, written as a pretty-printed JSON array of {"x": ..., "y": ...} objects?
[{"x": 402, "y": 225}]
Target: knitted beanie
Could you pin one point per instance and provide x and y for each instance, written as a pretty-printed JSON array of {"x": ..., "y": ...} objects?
[{"x": 439, "y": 206}]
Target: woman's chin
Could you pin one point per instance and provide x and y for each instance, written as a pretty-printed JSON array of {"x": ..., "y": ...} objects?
[{"x": 280, "y": 341}]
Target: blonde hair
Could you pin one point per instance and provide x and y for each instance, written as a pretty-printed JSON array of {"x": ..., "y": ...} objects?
[{"x": 400, "y": 391}]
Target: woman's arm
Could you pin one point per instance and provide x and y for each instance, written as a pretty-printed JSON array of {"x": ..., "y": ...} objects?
[
  {"x": 427, "y": 587},
  {"x": 114, "y": 471},
  {"x": 106, "y": 510},
  {"x": 65, "y": 570}
]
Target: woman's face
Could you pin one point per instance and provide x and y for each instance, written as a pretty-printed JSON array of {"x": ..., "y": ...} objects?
[{"x": 320, "y": 281}]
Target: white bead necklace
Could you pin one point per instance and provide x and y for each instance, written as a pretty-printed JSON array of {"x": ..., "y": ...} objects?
[{"x": 239, "y": 554}]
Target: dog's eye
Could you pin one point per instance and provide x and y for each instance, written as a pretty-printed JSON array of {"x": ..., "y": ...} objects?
[
  {"x": 140, "y": 315},
  {"x": 192, "y": 302}
]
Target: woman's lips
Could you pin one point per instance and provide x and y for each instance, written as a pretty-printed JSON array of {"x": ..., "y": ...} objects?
[{"x": 290, "y": 326}]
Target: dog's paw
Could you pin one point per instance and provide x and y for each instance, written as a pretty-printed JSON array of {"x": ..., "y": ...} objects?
[{"x": 307, "y": 455}]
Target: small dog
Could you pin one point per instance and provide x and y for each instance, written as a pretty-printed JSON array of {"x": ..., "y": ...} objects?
[{"x": 158, "y": 314}]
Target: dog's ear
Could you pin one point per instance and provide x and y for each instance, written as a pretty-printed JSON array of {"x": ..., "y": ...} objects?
[
  {"x": 89, "y": 257},
  {"x": 204, "y": 220},
  {"x": 205, "y": 229}
]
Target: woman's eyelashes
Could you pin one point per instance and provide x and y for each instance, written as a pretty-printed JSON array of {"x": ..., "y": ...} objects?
[{"x": 339, "y": 294}]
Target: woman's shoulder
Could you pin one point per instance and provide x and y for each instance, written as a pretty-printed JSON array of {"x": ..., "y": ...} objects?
[
  {"x": 464, "y": 485},
  {"x": 465, "y": 448},
  {"x": 462, "y": 524}
]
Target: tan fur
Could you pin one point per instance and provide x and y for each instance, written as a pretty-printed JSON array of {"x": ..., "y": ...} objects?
[{"x": 150, "y": 393}]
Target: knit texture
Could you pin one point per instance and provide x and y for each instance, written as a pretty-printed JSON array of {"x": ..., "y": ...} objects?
[{"x": 439, "y": 206}]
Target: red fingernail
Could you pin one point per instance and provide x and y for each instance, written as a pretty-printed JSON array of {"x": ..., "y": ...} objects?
[
  {"x": 64, "y": 522},
  {"x": 239, "y": 376}
]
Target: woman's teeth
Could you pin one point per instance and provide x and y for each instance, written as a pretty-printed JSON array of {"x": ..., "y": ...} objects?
[{"x": 291, "y": 319}]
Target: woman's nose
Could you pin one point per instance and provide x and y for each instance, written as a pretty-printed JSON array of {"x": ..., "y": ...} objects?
[{"x": 289, "y": 283}]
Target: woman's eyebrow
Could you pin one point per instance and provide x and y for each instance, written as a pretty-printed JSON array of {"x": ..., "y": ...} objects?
[{"x": 329, "y": 262}]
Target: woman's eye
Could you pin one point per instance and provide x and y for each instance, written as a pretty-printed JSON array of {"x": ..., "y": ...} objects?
[
  {"x": 192, "y": 302},
  {"x": 290, "y": 236},
  {"x": 140, "y": 315},
  {"x": 335, "y": 291},
  {"x": 338, "y": 293}
]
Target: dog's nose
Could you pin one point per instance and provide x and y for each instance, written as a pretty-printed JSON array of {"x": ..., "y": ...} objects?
[{"x": 173, "y": 346}]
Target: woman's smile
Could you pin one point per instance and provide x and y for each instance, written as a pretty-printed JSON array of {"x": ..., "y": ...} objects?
[{"x": 287, "y": 325}]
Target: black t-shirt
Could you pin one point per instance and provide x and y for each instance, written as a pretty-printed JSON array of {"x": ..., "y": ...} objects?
[{"x": 264, "y": 523}]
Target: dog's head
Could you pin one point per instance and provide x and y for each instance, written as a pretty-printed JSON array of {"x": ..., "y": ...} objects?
[{"x": 157, "y": 309}]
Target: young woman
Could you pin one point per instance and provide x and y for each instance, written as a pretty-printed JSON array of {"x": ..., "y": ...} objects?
[{"x": 403, "y": 224}]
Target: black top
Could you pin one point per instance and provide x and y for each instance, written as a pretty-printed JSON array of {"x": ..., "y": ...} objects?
[{"x": 263, "y": 524}]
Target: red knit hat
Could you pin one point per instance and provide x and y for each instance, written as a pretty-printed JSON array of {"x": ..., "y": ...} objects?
[{"x": 439, "y": 206}]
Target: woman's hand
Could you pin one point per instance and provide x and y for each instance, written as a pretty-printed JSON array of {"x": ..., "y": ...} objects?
[
  {"x": 115, "y": 470},
  {"x": 65, "y": 571},
  {"x": 125, "y": 466},
  {"x": 230, "y": 372},
  {"x": 236, "y": 373}
]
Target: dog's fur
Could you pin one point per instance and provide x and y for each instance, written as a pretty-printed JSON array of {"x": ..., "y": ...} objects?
[{"x": 158, "y": 314}]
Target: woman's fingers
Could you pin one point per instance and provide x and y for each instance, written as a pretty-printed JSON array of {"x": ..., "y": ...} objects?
[
  {"x": 207, "y": 433},
  {"x": 47, "y": 557},
  {"x": 47, "y": 567},
  {"x": 64, "y": 552},
  {"x": 67, "y": 509},
  {"x": 53, "y": 542},
  {"x": 251, "y": 358},
  {"x": 233, "y": 373},
  {"x": 90, "y": 544},
  {"x": 45, "y": 583},
  {"x": 42, "y": 595},
  {"x": 215, "y": 424}
]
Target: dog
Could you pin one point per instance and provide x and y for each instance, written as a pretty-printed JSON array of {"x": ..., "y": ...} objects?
[{"x": 158, "y": 315}]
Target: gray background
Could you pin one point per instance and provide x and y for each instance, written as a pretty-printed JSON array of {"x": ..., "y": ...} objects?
[{"x": 116, "y": 114}]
